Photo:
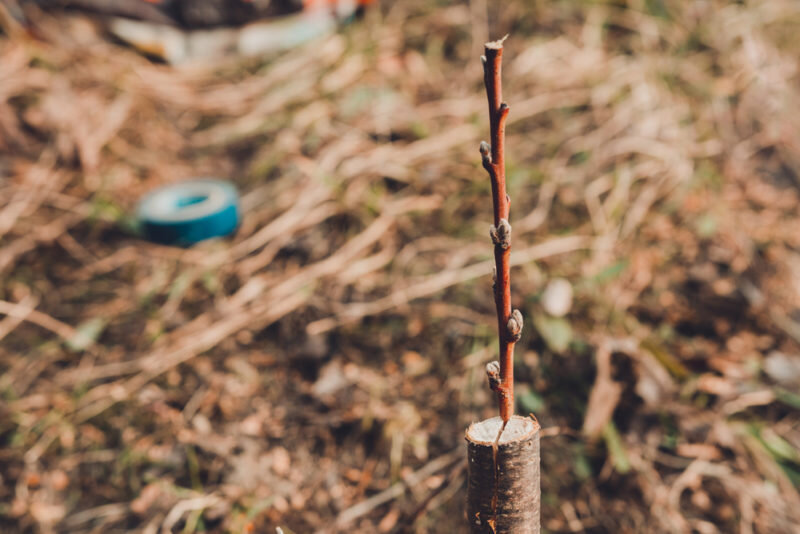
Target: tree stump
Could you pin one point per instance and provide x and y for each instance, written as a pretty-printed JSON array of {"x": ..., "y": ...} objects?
[{"x": 503, "y": 493}]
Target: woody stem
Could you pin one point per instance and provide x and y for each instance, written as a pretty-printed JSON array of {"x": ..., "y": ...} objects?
[{"x": 494, "y": 162}]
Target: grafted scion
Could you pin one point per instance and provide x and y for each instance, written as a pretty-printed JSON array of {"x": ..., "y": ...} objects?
[
  {"x": 503, "y": 495},
  {"x": 509, "y": 324}
]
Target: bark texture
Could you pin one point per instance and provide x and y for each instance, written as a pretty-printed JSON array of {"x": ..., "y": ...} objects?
[{"x": 503, "y": 476}]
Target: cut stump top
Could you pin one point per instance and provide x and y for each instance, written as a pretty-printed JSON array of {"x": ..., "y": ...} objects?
[{"x": 518, "y": 429}]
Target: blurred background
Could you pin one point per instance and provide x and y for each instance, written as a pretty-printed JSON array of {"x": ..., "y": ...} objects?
[{"x": 317, "y": 369}]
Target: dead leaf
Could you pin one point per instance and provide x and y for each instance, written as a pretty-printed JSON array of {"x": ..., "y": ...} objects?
[
  {"x": 149, "y": 495},
  {"x": 389, "y": 520},
  {"x": 331, "y": 379}
]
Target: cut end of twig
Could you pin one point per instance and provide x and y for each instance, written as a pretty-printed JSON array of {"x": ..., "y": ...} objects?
[
  {"x": 496, "y": 45},
  {"x": 514, "y": 326},
  {"x": 493, "y": 373}
]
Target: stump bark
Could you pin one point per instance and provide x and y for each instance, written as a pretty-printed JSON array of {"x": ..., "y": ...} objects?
[{"x": 503, "y": 494}]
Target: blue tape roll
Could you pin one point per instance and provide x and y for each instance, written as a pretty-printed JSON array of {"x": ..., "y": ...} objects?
[{"x": 188, "y": 212}]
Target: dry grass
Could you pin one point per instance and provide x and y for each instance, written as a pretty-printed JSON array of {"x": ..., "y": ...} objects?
[{"x": 330, "y": 355}]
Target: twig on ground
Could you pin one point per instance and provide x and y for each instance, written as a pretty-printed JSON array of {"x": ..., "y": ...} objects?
[
  {"x": 24, "y": 311},
  {"x": 437, "y": 282},
  {"x": 398, "y": 489}
]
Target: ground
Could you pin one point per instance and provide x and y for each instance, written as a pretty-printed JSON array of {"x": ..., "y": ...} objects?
[{"x": 317, "y": 370}]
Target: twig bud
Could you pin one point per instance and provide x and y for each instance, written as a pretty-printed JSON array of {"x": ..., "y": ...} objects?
[
  {"x": 501, "y": 234},
  {"x": 515, "y": 325},
  {"x": 493, "y": 373},
  {"x": 486, "y": 155}
]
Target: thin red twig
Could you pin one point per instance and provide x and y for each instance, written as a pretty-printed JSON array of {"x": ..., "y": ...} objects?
[{"x": 501, "y": 376}]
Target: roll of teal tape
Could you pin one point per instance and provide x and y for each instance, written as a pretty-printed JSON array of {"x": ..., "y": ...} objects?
[{"x": 189, "y": 212}]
